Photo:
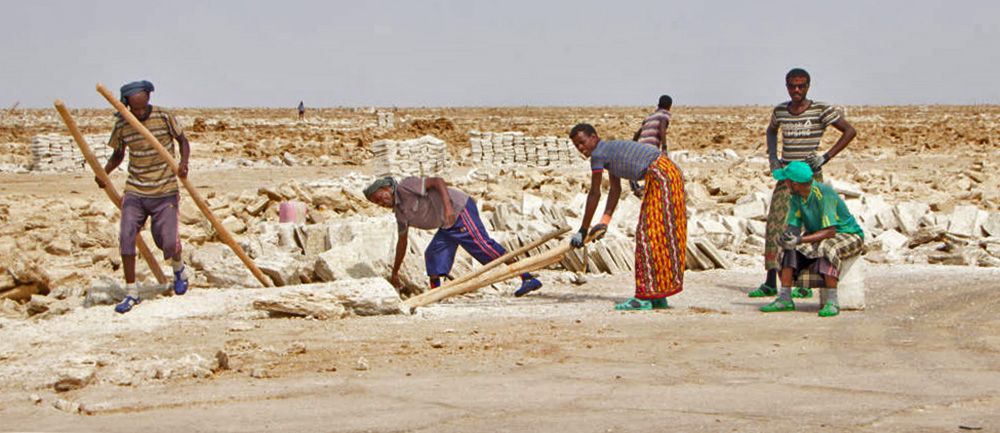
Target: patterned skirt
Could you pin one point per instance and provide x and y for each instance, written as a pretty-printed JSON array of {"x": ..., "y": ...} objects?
[
  {"x": 661, "y": 235},
  {"x": 777, "y": 216},
  {"x": 810, "y": 261}
]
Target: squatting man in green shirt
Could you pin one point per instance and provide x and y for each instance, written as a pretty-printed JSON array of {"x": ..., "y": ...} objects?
[{"x": 820, "y": 234}]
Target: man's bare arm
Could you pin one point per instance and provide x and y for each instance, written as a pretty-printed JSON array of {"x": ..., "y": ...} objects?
[
  {"x": 593, "y": 197},
  {"x": 847, "y": 134},
  {"x": 826, "y": 233},
  {"x": 772, "y": 148}
]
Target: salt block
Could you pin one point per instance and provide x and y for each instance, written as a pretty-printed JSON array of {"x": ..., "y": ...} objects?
[
  {"x": 963, "y": 221},
  {"x": 851, "y": 287},
  {"x": 292, "y": 212}
]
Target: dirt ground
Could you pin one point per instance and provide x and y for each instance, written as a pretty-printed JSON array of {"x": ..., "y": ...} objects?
[{"x": 924, "y": 356}]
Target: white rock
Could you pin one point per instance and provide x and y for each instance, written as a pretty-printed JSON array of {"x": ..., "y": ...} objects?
[
  {"x": 757, "y": 228},
  {"x": 963, "y": 221},
  {"x": 851, "y": 287},
  {"x": 892, "y": 241},
  {"x": 66, "y": 405},
  {"x": 909, "y": 214},
  {"x": 752, "y": 209},
  {"x": 221, "y": 267},
  {"x": 312, "y": 238},
  {"x": 531, "y": 204},
  {"x": 981, "y": 218},
  {"x": 362, "y": 364},
  {"x": 344, "y": 263},
  {"x": 283, "y": 267},
  {"x": 846, "y": 188},
  {"x": 75, "y": 377},
  {"x": 992, "y": 224},
  {"x": 234, "y": 225},
  {"x": 362, "y": 297}
]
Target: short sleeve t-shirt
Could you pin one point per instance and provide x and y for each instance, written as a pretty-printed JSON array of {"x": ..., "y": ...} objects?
[
  {"x": 418, "y": 207},
  {"x": 653, "y": 127},
  {"x": 624, "y": 159},
  {"x": 823, "y": 208},
  {"x": 801, "y": 134},
  {"x": 149, "y": 175}
]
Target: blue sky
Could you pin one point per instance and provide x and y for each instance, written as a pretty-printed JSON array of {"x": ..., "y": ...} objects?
[{"x": 490, "y": 53}]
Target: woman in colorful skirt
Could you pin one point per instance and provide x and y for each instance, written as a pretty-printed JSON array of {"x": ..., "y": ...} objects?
[{"x": 661, "y": 233}]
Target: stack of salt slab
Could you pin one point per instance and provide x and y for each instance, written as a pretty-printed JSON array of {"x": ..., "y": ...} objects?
[
  {"x": 57, "y": 152},
  {"x": 386, "y": 119},
  {"x": 510, "y": 148},
  {"x": 424, "y": 156}
]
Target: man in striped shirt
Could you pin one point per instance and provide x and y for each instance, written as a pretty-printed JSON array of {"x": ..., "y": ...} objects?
[
  {"x": 654, "y": 132},
  {"x": 802, "y": 123},
  {"x": 654, "y": 129},
  {"x": 151, "y": 188}
]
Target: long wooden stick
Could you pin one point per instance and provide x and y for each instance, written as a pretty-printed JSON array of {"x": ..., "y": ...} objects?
[
  {"x": 200, "y": 202},
  {"x": 508, "y": 271},
  {"x": 109, "y": 187},
  {"x": 493, "y": 264},
  {"x": 537, "y": 262},
  {"x": 510, "y": 254}
]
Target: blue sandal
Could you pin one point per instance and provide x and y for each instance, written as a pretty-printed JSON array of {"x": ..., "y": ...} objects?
[
  {"x": 180, "y": 285},
  {"x": 126, "y": 305},
  {"x": 528, "y": 286}
]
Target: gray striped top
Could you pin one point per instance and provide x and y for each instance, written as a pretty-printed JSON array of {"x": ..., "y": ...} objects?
[{"x": 801, "y": 134}]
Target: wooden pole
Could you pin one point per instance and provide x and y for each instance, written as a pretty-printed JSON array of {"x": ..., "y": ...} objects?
[
  {"x": 109, "y": 187},
  {"x": 493, "y": 264},
  {"x": 497, "y": 275},
  {"x": 510, "y": 254},
  {"x": 540, "y": 261},
  {"x": 200, "y": 202}
]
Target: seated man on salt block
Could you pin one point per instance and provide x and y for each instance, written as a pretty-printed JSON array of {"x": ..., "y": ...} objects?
[
  {"x": 428, "y": 203},
  {"x": 831, "y": 235}
]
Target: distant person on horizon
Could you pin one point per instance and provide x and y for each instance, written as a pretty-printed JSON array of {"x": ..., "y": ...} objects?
[
  {"x": 653, "y": 131},
  {"x": 151, "y": 189},
  {"x": 302, "y": 110},
  {"x": 802, "y": 123}
]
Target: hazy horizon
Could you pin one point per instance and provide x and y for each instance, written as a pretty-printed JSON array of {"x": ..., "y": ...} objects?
[{"x": 449, "y": 53}]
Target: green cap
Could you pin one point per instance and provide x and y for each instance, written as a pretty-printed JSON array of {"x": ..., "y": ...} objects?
[{"x": 795, "y": 171}]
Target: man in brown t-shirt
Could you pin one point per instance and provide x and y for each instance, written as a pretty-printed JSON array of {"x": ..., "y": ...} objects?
[
  {"x": 151, "y": 188},
  {"x": 428, "y": 203}
]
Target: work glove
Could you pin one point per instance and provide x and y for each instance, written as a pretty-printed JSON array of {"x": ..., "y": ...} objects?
[
  {"x": 598, "y": 231},
  {"x": 775, "y": 164},
  {"x": 637, "y": 188},
  {"x": 577, "y": 240},
  {"x": 790, "y": 238},
  {"x": 815, "y": 161}
]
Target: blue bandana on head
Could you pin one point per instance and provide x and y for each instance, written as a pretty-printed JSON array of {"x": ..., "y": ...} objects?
[{"x": 133, "y": 88}]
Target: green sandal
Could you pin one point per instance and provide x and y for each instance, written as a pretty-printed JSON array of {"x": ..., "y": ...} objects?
[
  {"x": 778, "y": 305},
  {"x": 659, "y": 304},
  {"x": 802, "y": 292},
  {"x": 763, "y": 291},
  {"x": 634, "y": 304},
  {"x": 829, "y": 310}
]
